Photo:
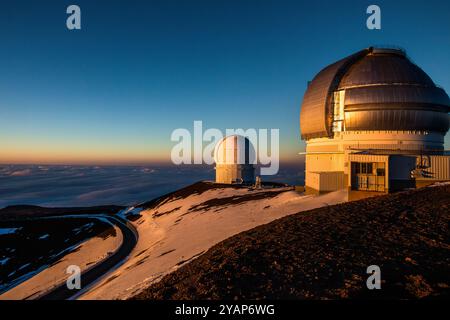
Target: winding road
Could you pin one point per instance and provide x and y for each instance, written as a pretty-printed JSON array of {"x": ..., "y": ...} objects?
[{"x": 91, "y": 275}]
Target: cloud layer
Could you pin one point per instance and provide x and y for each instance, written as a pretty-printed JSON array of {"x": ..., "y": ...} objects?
[{"x": 103, "y": 185}]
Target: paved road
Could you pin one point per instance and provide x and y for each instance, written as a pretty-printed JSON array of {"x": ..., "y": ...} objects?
[{"x": 90, "y": 276}]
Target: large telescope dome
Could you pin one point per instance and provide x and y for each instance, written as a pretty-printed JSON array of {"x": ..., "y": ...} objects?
[{"x": 380, "y": 90}]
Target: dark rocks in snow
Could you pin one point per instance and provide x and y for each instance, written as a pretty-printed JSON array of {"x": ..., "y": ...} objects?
[{"x": 324, "y": 254}]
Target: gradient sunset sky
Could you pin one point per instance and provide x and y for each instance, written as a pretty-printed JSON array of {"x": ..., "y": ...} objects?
[{"x": 114, "y": 91}]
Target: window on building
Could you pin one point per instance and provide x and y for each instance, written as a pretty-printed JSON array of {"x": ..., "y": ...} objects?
[
  {"x": 363, "y": 167},
  {"x": 357, "y": 167}
]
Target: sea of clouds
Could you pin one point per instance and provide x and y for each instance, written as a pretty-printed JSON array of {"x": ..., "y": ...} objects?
[{"x": 59, "y": 185}]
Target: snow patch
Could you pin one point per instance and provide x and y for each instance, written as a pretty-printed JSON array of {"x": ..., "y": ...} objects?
[
  {"x": 439, "y": 184},
  {"x": 131, "y": 211},
  {"x": 174, "y": 233},
  {"x": 85, "y": 255},
  {"x": 5, "y": 231}
]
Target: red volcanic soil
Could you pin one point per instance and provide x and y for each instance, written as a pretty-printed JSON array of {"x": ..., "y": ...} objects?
[{"x": 324, "y": 254}]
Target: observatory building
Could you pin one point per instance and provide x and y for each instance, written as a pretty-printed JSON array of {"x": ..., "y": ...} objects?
[
  {"x": 234, "y": 160},
  {"x": 374, "y": 121}
]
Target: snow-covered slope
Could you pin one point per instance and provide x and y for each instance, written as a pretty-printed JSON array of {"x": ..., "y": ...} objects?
[
  {"x": 84, "y": 255},
  {"x": 181, "y": 227}
]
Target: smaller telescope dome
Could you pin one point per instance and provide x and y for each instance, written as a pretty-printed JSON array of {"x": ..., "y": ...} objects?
[
  {"x": 234, "y": 156},
  {"x": 234, "y": 149}
]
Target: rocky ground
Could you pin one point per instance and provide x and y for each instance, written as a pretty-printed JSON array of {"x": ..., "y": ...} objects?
[{"x": 324, "y": 254}]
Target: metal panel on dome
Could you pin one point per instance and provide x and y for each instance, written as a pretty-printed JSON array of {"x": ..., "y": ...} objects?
[
  {"x": 316, "y": 111},
  {"x": 397, "y": 107},
  {"x": 428, "y": 96},
  {"x": 385, "y": 69},
  {"x": 368, "y": 117}
]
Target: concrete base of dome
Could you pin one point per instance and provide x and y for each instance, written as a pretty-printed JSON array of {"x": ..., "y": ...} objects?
[
  {"x": 235, "y": 173},
  {"x": 388, "y": 140},
  {"x": 380, "y": 161}
]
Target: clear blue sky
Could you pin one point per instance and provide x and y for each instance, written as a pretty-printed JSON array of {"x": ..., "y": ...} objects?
[{"x": 137, "y": 70}]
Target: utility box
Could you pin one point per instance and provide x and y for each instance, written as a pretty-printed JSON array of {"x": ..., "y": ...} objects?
[{"x": 326, "y": 181}]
